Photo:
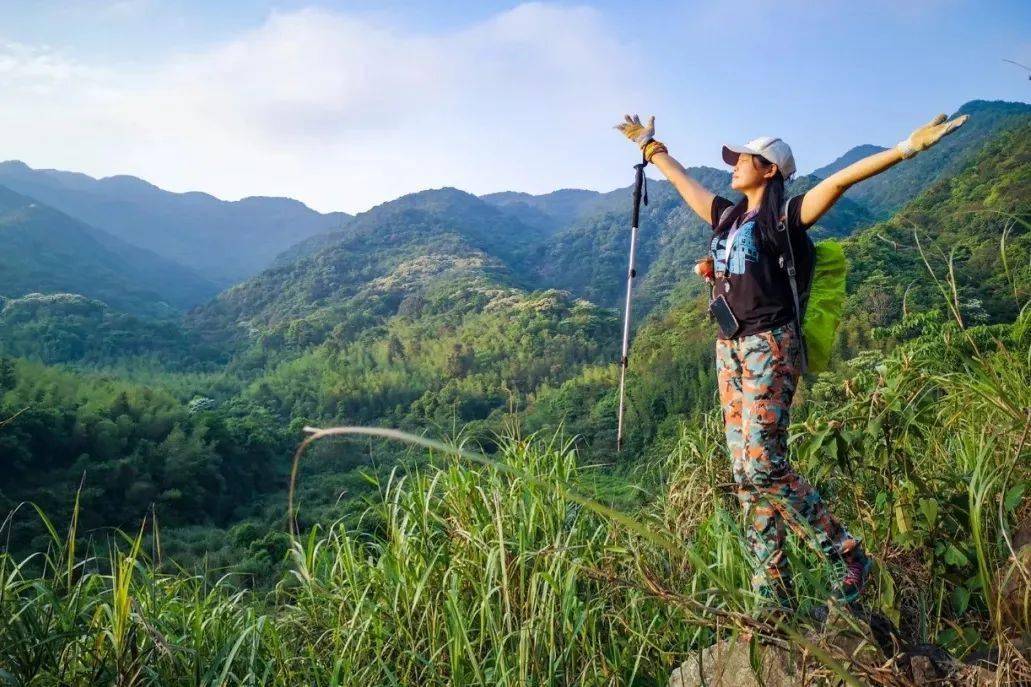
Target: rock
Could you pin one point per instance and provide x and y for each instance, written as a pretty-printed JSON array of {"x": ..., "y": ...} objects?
[
  {"x": 975, "y": 676},
  {"x": 726, "y": 664},
  {"x": 923, "y": 670}
]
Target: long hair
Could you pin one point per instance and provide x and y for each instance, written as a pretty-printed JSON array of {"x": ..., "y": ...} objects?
[{"x": 772, "y": 202}]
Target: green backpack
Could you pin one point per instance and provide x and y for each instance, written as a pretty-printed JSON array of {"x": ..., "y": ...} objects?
[{"x": 819, "y": 296}]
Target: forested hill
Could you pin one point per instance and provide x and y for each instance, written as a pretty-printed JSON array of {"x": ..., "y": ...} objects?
[
  {"x": 381, "y": 264},
  {"x": 439, "y": 312},
  {"x": 222, "y": 240},
  {"x": 44, "y": 250},
  {"x": 977, "y": 220},
  {"x": 850, "y": 156},
  {"x": 574, "y": 241},
  {"x": 887, "y": 192}
]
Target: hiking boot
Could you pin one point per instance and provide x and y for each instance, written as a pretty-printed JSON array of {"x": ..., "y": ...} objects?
[{"x": 857, "y": 573}]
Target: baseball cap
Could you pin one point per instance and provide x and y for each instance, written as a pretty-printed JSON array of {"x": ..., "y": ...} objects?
[{"x": 773, "y": 149}]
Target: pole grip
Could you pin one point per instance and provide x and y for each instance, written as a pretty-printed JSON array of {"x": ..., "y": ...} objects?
[{"x": 638, "y": 184}]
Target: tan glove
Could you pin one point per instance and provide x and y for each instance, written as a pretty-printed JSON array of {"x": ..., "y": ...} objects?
[
  {"x": 643, "y": 135},
  {"x": 637, "y": 132},
  {"x": 929, "y": 134}
]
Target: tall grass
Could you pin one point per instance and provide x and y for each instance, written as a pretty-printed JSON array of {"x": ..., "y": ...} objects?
[{"x": 498, "y": 572}]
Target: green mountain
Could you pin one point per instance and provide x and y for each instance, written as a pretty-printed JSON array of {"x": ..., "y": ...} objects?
[
  {"x": 887, "y": 192},
  {"x": 224, "y": 241},
  {"x": 850, "y": 156},
  {"x": 554, "y": 209},
  {"x": 43, "y": 250},
  {"x": 968, "y": 218},
  {"x": 383, "y": 262}
]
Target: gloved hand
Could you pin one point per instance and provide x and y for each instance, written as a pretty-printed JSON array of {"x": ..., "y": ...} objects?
[
  {"x": 929, "y": 134},
  {"x": 643, "y": 135},
  {"x": 637, "y": 132}
]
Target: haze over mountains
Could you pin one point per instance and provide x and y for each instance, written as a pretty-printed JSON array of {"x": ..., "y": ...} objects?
[
  {"x": 143, "y": 250},
  {"x": 45, "y": 250},
  {"x": 223, "y": 241}
]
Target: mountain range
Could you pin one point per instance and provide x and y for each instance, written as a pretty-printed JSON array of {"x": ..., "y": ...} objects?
[
  {"x": 222, "y": 241},
  {"x": 146, "y": 251},
  {"x": 45, "y": 250}
]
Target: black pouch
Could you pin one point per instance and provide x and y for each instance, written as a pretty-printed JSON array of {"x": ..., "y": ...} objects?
[{"x": 724, "y": 316}]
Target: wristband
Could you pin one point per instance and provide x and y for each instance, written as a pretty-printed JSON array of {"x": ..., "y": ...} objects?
[
  {"x": 651, "y": 148},
  {"x": 906, "y": 149}
]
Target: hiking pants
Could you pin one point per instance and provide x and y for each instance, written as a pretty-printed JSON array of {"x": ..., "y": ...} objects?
[{"x": 757, "y": 376}]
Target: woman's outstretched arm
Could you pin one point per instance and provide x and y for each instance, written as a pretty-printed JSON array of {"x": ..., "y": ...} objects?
[
  {"x": 697, "y": 197},
  {"x": 821, "y": 197}
]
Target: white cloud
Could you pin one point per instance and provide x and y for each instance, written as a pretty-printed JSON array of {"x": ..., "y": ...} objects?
[
  {"x": 341, "y": 111},
  {"x": 26, "y": 69}
]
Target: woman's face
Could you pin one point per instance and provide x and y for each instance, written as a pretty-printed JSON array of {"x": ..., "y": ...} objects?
[{"x": 749, "y": 174}]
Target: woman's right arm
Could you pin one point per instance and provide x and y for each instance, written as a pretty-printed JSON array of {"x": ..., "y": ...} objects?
[{"x": 697, "y": 197}]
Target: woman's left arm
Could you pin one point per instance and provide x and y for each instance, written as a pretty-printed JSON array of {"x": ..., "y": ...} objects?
[{"x": 821, "y": 197}]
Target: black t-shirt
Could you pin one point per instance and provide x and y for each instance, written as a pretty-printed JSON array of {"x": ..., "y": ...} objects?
[{"x": 760, "y": 293}]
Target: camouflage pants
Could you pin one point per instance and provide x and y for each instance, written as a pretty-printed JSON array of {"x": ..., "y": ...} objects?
[{"x": 757, "y": 377}]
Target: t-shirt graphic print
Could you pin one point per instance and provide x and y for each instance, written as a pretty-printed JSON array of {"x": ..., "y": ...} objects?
[{"x": 745, "y": 249}]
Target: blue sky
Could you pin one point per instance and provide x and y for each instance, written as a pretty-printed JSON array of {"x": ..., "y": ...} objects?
[{"x": 344, "y": 105}]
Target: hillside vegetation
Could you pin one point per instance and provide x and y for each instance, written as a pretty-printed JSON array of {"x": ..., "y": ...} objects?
[
  {"x": 486, "y": 575},
  {"x": 146, "y": 537},
  {"x": 46, "y": 251}
]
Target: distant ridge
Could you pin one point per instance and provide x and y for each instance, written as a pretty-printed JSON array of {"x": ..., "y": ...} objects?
[
  {"x": 226, "y": 241},
  {"x": 43, "y": 250},
  {"x": 887, "y": 192},
  {"x": 854, "y": 154}
]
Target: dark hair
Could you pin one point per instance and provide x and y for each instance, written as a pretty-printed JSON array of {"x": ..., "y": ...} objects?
[{"x": 772, "y": 202}]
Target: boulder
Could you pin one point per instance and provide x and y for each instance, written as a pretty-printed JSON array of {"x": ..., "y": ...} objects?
[{"x": 727, "y": 664}]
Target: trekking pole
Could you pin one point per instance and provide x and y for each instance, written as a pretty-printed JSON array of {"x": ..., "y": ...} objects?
[{"x": 639, "y": 184}]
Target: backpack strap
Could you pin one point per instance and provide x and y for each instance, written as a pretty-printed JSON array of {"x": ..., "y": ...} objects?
[{"x": 787, "y": 261}]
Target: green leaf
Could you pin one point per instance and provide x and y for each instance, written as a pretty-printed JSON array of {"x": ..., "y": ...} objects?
[
  {"x": 953, "y": 556},
  {"x": 1013, "y": 496},
  {"x": 929, "y": 507},
  {"x": 960, "y": 599},
  {"x": 902, "y": 519},
  {"x": 881, "y": 501}
]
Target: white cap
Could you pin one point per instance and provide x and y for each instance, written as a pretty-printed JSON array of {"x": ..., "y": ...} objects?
[{"x": 773, "y": 149}]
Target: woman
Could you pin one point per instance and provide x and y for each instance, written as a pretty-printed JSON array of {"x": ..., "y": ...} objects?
[{"x": 758, "y": 362}]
